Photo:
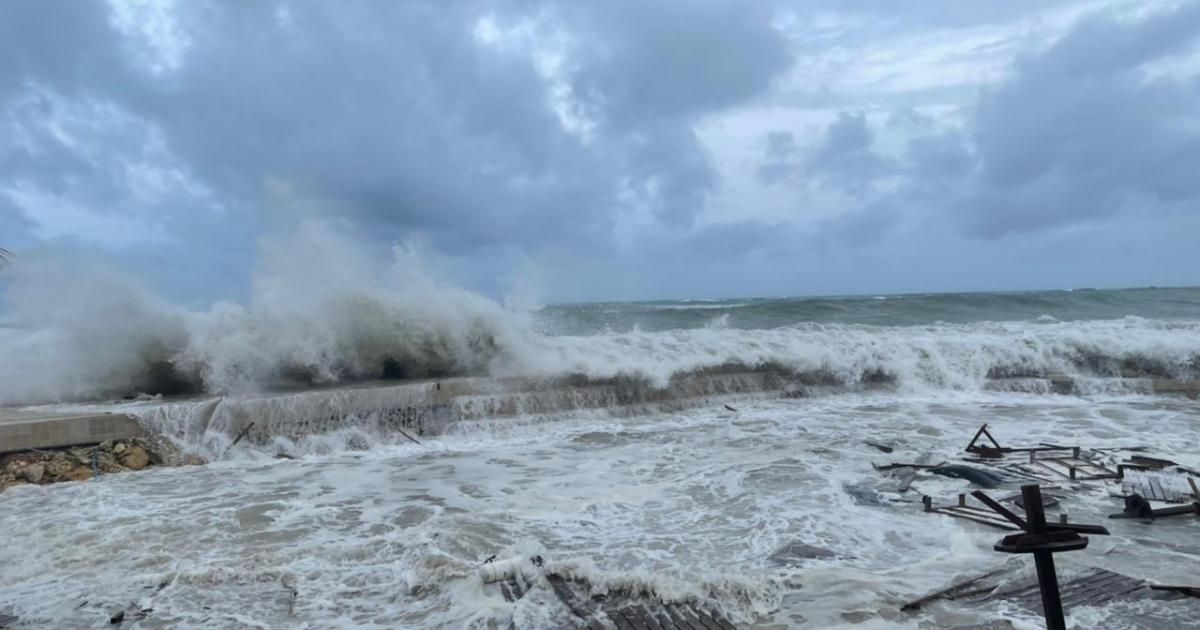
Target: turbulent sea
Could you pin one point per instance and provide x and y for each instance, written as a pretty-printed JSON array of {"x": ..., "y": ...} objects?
[{"x": 685, "y": 494}]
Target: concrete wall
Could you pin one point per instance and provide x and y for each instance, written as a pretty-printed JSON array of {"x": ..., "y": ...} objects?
[{"x": 20, "y": 434}]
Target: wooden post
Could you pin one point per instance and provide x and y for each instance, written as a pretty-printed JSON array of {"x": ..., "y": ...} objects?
[
  {"x": 962, "y": 500},
  {"x": 1035, "y": 517},
  {"x": 928, "y": 502}
]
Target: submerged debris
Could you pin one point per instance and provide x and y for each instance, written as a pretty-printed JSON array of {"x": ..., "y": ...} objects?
[
  {"x": 977, "y": 476},
  {"x": 793, "y": 553}
]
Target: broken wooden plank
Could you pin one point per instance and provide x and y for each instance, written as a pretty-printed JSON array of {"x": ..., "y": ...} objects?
[
  {"x": 1093, "y": 589},
  {"x": 969, "y": 513},
  {"x": 953, "y": 591},
  {"x": 1157, "y": 489},
  {"x": 1190, "y": 591}
]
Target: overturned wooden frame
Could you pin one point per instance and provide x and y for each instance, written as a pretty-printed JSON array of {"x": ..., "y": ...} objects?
[{"x": 1047, "y": 462}]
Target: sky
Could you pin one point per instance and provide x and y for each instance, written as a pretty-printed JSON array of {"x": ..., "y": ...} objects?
[{"x": 612, "y": 150}]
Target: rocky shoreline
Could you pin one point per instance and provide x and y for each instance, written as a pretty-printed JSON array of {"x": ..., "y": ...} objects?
[{"x": 80, "y": 463}]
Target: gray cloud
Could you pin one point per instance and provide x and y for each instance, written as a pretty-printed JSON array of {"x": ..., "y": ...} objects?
[
  {"x": 573, "y": 135},
  {"x": 1080, "y": 133},
  {"x": 397, "y": 116},
  {"x": 778, "y": 161}
]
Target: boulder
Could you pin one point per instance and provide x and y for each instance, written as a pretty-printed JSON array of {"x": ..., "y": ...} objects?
[
  {"x": 134, "y": 458},
  {"x": 34, "y": 472},
  {"x": 79, "y": 473},
  {"x": 59, "y": 465},
  {"x": 119, "y": 448},
  {"x": 108, "y": 464}
]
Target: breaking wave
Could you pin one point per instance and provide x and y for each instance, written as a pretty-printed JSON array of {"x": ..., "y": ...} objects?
[{"x": 80, "y": 332}]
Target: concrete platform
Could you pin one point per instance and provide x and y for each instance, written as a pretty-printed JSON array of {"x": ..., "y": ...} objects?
[{"x": 23, "y": 430}]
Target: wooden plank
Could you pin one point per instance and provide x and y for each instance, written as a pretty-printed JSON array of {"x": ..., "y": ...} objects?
[
  {"x": 692, "y": 618},
  {"x": 986, "y": 519},
  {"x": 1190, "y": 591},
  {"x": 1093, "y": 589},
  {"x": 617, "y": 618},
  {"x": 664, "y": 620},
  {"x": 1157, "y": 489},
  {"x": 708, "y": 620},
  {"x": 677, "y": 618},
  {"x": 647, "y": 619},
  {"x": 726, "y": 624},
  {"x": 636, "y": 620},
  {"x": 959, "y": 510},
  {"x": 950, "y": 592}
]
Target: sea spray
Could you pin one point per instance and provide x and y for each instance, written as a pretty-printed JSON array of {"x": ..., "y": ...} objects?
[{"x": 322, "y": 311}]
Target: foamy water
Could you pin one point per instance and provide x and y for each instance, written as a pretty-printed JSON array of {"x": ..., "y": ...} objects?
[
  {"x": 74, "y": 330},
  {"x": 690, "y": 504},
  {"x": 367, "y": 530}
]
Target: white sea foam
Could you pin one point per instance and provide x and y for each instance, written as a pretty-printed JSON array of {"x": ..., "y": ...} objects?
[
  {"x": 321, "y": 311},
  {"x": 683, "y": 505}
]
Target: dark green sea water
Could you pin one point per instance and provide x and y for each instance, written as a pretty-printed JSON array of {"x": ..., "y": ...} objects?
[{"x": 879, "y": 310}]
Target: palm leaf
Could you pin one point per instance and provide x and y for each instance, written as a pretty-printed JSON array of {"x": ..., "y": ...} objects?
[{"x": 5, "y": 256}]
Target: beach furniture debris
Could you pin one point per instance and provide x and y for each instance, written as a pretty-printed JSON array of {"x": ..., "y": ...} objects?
[{"x": 1043, "y": 540}]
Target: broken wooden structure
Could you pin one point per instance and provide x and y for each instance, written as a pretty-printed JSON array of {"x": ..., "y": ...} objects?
[
  {"x": 1043, "y": 540},
  {"x": 1137, "y": 507},
  {"x": 620, "y": 609},
  {"x": 1096, "y": 587},
  {"x": 1044, "y": 463},
  {"x": 969, "y": 512}
]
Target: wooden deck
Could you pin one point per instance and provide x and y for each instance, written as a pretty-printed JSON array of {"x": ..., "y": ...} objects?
[{"x": 1097, "y": 588}]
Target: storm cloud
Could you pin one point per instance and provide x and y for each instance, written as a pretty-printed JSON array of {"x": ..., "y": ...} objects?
[{"x": 623, "y": 149}]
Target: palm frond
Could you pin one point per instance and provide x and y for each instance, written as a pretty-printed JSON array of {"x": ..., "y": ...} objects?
[{"x": 5, "y": 256}]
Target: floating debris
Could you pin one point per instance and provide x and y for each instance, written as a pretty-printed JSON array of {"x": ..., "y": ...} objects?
[{"x": 795, "y": 553}]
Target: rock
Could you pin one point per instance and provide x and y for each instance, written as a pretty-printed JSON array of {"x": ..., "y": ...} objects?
[
  {"x": 33, "y": 473},
  {"x": 117, "y": 617},
  {"x": 135, "y": 458},
  {"x": 59, "y": 465},
  {"x": 82, "y": 455},
  {"x": 79, "y": 473},
  {"x": 119, "y": 448},
  {"x": 107, "y": 464},
  {"x": 193, "y": 460}
]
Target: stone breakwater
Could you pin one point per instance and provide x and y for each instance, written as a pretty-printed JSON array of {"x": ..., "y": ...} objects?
[{"x": 80, "y": 463}]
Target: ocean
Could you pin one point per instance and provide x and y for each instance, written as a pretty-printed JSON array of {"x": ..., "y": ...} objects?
[{"x": 670, "y": 447}]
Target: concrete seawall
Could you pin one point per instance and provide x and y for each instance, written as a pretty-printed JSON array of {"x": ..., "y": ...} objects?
[
  {"x": 22, "y": 431},
  {"x": 428, "y": 407}
]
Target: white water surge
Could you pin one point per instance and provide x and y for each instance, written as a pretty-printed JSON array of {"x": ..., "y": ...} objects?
[
  {"x": 608, "y": 451},
  {"x": 321, "y": 311},
  {"x": 689, "y": 504}
]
